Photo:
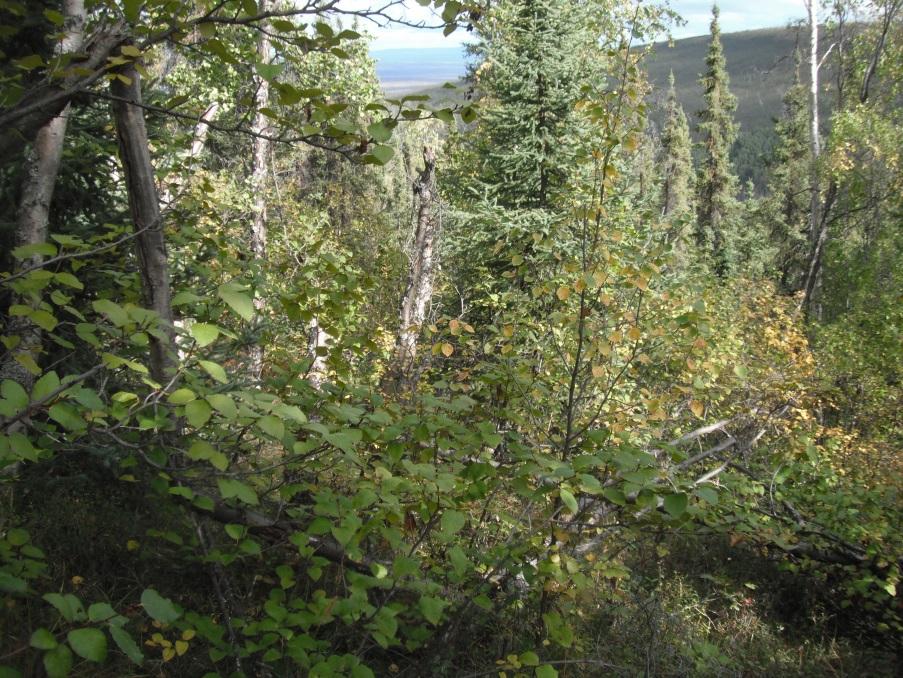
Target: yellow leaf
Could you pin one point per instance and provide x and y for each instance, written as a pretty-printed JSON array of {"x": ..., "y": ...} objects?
[
  {"x": 188, "y": 634},
  {"x": 454, "y": 326},
  {"x": 181, "y": 647},
  {"x": 447, "y": 350},
  {"x": 563, "y": 292},
  {"x": 606, "y": 299},
  {"x": 580, "y": 285},
  {"x": 642, "y": 282},
  {"x": 697, "y": 408},
  {"x": 634, "y": 333},
  {"x": 508, "y": 331},
  {"x": 168, "y": 654},
  {"x": 132, "y": 545},
  {"x": 598, "y": 371}
]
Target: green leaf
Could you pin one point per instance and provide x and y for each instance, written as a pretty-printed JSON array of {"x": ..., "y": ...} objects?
[
  {"x": 67, "y": 416},
  {"x": 43, "y": 387},
  {"x": 198, "y": 412},
  {"x": 46, "y": 321},
  {"x": 58, "y": 662},
  {"x": 239, "y": 302},
  {"x": 708, "y": 494},
  {"x": 382, "y": 154},
  {"x": 18, "y": 537},
  {"x": 44, "y": 249},
  {"x": 11, "y": 584},
  {"x": 431, "y": 609},
  {"x": 272, "y": 426},
  {"x": 16, "y": 396},
  {"x": 229, "y": 488},
  {"x": 676, "y": 504},
  {"x": 125, "y": 642},
  {"x": 568, "y": 500},
  {"x": 451, "y": 523},
  {"x": 42, "y": 639},
  {"x": 182, "y": 396},
  {"x": 89, "y": 643},
  {"x": 201, "y": 449},
  {"x": 158, "y": 607},
  {"x": 111, "y": 310},
  {"x": 99, "y": 612},
  {"x": 69, "y": 607},
  {"x": 546, "y": 671},
  {"x": 69, "y": 280},
  {"x": 529, "y": 658},
  {"x": 223, "y": 404},
  {"x": 214, "y": 370},
  {"x": 204, "y": 333},
  {"x": 132, "y": 9},
  {"x": 380, "y": 131}
]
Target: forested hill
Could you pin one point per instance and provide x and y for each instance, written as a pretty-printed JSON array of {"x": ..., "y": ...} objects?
[{"x": 760, "y": 65}]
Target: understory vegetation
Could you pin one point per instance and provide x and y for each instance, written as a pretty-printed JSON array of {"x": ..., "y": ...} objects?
[{"x": 298, "y": 380}]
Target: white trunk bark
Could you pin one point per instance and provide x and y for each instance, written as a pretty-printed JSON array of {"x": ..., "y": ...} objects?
[
  {"x": 261, "y": 128},
  {"x": 419, "y": 291},
  {"x": 42, "y": 165}
]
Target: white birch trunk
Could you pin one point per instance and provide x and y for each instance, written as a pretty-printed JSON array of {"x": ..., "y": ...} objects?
[
  {"x": 419, "y": 291},
  {"x": 42, "y": 164},
  {"x": 261, "y": 154}
]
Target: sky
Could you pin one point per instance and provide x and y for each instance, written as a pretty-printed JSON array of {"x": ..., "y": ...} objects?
[{"x": 736, "y": 15}]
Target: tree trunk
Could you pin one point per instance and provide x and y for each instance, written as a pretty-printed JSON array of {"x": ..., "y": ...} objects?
[
  {"x": 20, "y": 123},
  {"x": 145, "y": 209},
  {"x": 42, "y": 166},
  {"x": 261, "y": 155},
  {"x": 419, "y": 290},
  {"x": 817, "y": 225}
]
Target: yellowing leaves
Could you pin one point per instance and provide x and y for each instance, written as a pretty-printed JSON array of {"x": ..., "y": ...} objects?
[
  {"x": 697, "y": 408},
  {"x": 563, "y": 293},
  {"x": 598, "y": 371},
  {"x": 447, "y": 349}
]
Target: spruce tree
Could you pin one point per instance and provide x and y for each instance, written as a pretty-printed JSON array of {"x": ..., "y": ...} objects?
[
  {"x": 717, "y": 184},
  {"x": 533, "y": 58},
  {"x": 786, "y": 209},
  {"x": 676, "y": 159}
]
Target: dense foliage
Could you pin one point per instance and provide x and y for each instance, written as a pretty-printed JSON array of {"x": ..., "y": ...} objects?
[{"x": 650, "y": 422}]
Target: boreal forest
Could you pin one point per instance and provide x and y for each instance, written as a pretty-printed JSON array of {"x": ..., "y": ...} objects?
[{"x": 542, "y": 374}]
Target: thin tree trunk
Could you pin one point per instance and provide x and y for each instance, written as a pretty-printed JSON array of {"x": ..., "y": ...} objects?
[
  {"x": 42, "y": 166},
  {"x": 144, "y": 205},
  {"x": 419, "y": 290},
  {"x": 261, "y": 155},
  {"x": 814, "y": 140},
  {"x": 817, "y": 225}
]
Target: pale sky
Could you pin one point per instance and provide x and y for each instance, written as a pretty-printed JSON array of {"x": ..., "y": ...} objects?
[{"x": 736, "y": 15}]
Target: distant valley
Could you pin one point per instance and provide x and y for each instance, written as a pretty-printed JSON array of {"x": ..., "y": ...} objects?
[{"x": 760, "y": 64}]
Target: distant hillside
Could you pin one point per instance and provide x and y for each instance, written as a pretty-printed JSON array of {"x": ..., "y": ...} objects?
[{"x": 760, "y": 64}]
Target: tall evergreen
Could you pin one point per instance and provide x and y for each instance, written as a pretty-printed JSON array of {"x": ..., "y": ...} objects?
[
  {"x": 717, "y": 183},
  {"x": 676, "y": 159},
  {"x": 533, "y": 58},
  {"x": 786, "y": 209}
]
